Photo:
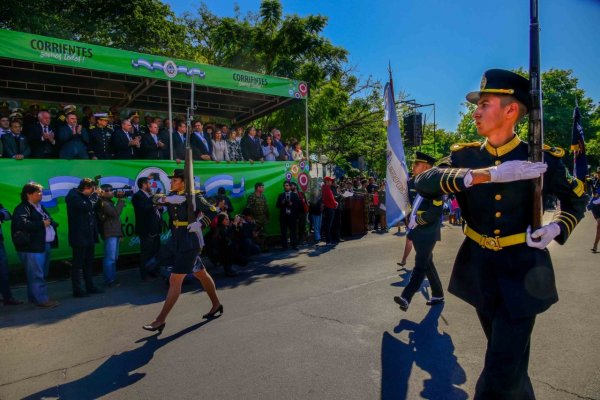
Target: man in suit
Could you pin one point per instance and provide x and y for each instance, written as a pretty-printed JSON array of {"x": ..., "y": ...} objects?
[
  {"x": 503, "y": 267},
  {"x": 424, "y": 232},
  {"x": 148, "y": 226},
  {"x": 15, "y": 145},
  {"x": 289, "y": 206},
  {"x": 201, "y": 143},
  {"x": 137, "y": 129},
  {"x": 251, "y": 147},
  {"x": 279, "y": 145},
  {"x": 41, "y": 137},
  {"x": 73, "y": 139},
  {"x": 101, "y": 139},
  {"x": 125, "y": 143},
  {"x": 152, "y": 146},
  {"x": 179, "y": 138},
  {"x": 4, "y": 125},
  {"x": 83, "y": 234}
]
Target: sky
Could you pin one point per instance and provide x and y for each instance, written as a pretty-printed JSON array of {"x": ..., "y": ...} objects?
[{"x": 439, "y": 49}]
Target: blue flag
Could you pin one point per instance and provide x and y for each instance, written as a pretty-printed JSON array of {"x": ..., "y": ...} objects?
[
  {"x": 580, "y": 165},
  {"x": 396, "y": 186}
]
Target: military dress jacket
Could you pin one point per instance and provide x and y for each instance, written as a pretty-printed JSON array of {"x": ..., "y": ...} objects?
[
  {"x": 499, "y": 269},
  {"x": 100, "y": 143},
  {"x": 181, "y": 239},
  {"x": 429, "y": 221}
]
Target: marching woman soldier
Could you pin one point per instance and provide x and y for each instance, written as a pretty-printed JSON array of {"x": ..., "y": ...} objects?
[
  {"x": 503, "y": 269},
  {"x": 183, "y": 249},
  {"x": 424, "y": 231}
]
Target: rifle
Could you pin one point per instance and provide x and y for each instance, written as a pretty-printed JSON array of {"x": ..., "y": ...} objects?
[
  {"x": 536, "y": 130},
  {"x": 189, "y": 164}
]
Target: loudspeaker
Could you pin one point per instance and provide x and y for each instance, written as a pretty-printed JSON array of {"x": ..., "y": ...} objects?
[{"x": 413, "y": 129}]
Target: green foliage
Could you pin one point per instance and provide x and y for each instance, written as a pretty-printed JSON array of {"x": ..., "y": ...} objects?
[{"x": 138, "y": 25}]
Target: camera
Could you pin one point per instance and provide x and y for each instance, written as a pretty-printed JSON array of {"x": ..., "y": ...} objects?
[{"x": 124, "y": 191}]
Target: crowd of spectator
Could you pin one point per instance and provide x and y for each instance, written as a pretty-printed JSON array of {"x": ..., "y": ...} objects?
[{"x": 36, "y": 133}]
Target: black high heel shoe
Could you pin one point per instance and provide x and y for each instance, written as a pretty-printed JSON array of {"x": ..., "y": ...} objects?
[
  {"x": 151, "y": 328},
  {"x": 213, "y": 314}
]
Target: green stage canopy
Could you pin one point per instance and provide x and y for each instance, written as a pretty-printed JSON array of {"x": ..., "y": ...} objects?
[{"x": 41, "y": 68}]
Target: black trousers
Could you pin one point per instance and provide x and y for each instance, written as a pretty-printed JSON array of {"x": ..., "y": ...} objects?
[
  {"x": 336, "y": 226},
  {"x": 288, "y": 222},
  {"x": 504, "y": 374},
  {"x": 423, "y": 267},
  {"x": 83, "y": 259},
  {"x": 328, "y": 214},
  {"x": 149, "y": 248}
]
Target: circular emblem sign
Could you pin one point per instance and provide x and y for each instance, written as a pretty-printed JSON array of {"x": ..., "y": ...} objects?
[
  {"x": 170, "y": 69},
  {"x": 303, "y": 181}
]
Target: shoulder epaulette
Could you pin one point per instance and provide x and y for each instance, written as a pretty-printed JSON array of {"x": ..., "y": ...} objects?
[
  {"x": 92, "y": 127},
  {"x": 443, "y": 162},
  {"x": 460, "y": 146},
  {"x": 555, "y": 151}
]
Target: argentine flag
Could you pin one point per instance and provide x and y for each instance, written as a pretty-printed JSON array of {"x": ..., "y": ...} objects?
[{"x": 396, "y": 186}]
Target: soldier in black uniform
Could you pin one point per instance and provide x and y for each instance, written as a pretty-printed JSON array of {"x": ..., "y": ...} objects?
[
  {"x": 424, "y": 231},
  {"x": 100, "y": 147},
  {"x": 500, "y": 268},
  {"x": 183, "y": 249}
]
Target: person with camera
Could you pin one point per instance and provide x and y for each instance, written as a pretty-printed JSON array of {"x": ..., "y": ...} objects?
[
  {"x": 34, "y": 233},
  {"x": 83, "y": 234},
  {"x": 7, "y": 297},
  {"x": 109, "y": 216},
  {"x": 148, "y": 226}
]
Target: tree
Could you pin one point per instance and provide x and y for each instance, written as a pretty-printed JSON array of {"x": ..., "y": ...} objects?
[{"x": 148, "y": 26}]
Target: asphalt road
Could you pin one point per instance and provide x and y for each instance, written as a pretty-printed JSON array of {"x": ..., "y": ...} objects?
[{"x": 318, "y": 324}]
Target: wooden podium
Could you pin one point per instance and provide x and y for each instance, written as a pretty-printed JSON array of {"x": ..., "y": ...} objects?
[{"x": 353, "y": 216}]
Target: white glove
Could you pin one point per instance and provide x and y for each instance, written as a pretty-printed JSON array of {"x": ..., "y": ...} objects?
[
  {"x": 546, "y": 234},
  {"x": 174, "y": 199},
  {"x": 517, "y": 170},
  {"x": 195, "y": 227},
  {"x": 413, "y": 222},
  {"x": 597, "y": 201}
]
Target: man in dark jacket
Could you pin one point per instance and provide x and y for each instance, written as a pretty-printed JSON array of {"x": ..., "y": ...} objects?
[
  {"x": 148, "y": 226},
  {"x": 100, "y": 147},
  {"x": 34, "y": 233},
  {"x": 109, "y": 215},
  {"x": 73, "y": 139},
  {"x": 289, "y": 205},
  {"x": 424, "y": 231},
  {"x": 41, "y": 137},
  {"x": 201, "y": 143},
  {"x": 153, "y": 145},
  {"x": 179, "y": 138},
  {"x": 7, "y": 296},
  {"x": 251, "y": 146},
  {"x": 15, "y": 145},
  {"x": 126, "y": 143},
  {"x": 83, "y": 234}
]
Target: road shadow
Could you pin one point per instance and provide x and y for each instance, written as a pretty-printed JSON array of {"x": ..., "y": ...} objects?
[
  {"x": 115, "y": 373},
  {"x": 428, "y": 349},
  {"x": 134, "y": 292},
  {"x": 405, "y": 278}
]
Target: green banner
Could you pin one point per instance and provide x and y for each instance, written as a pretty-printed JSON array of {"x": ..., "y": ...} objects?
[
  {"x": 59, "y": 176},
  {"x": 36, "y": 48}
]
